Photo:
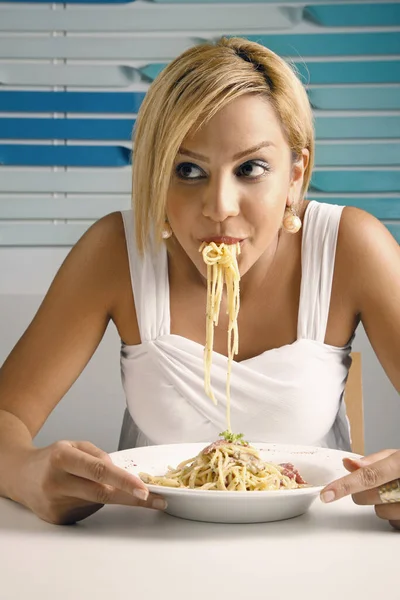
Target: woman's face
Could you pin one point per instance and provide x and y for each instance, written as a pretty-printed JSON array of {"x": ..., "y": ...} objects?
[{"x": 231, "y": 181}]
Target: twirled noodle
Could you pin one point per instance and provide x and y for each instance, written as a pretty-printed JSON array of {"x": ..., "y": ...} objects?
[
  {"x": 222, "y": 268},
  {"x": 229, "y": 467}
]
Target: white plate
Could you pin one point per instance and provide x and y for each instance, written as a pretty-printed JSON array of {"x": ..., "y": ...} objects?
[{"x": 318, "y": 466}]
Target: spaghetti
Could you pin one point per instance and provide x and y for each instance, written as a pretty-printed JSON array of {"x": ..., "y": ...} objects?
[
  {"x": 222, "y": 269},
  {"x": 229, "y": 466}
]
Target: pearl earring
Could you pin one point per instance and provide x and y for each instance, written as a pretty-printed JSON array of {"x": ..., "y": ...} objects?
[
  {"x": 291, "y": 220},
  {"x": 167, "y": 231}
]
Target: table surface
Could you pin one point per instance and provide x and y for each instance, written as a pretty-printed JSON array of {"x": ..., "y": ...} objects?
[{"x": 333, "y": 551}]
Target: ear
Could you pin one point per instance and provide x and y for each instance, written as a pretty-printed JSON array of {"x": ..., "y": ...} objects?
[{"x": 298, "y": 169}]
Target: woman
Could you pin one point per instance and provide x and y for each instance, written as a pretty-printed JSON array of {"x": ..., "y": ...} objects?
[{"x": 223, "y": 152}]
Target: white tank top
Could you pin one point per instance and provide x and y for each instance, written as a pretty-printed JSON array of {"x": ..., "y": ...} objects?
[{"x": 292, "y": 394}]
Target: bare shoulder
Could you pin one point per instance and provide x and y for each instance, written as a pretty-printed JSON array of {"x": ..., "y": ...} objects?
[
  {"x": 366, "y": 253},
  {"x": 105, "y": 238},
  {"x": 361, "y": 230},
  {"x": 100, "y": 255},
  {"x": 368, "y": 258}
]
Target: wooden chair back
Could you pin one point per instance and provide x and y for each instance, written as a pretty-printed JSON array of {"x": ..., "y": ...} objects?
[{"x": 354, "y": 404}]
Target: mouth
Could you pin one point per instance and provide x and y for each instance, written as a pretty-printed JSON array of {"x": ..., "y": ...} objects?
[{"x": 223, "y": 239}]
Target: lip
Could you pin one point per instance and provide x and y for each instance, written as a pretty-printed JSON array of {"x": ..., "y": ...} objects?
[{"x": 223, "y": 239}]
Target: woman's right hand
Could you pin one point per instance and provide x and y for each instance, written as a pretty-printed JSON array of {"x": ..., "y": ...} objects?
[{"x": 68, "y": 481}]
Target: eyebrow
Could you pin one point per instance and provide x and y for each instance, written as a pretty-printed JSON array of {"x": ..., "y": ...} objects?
[{"x": 264, "y": 144}]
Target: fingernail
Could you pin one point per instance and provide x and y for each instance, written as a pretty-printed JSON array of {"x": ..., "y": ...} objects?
[
  {"x": 159, "y": 504},
  {"x": 141, "y": 494},
  {"x": 354, "y": 461},
  {"x": 328, "y": 496}
]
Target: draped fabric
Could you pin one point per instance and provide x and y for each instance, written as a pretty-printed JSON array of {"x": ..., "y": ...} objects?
[{"x": 292, "y": 394}]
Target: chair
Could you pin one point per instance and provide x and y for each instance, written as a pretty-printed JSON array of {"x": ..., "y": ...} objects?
[{"x": 354, "y": 404}]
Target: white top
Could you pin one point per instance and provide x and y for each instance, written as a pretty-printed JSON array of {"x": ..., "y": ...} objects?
[{"x": 292, "y": 394}]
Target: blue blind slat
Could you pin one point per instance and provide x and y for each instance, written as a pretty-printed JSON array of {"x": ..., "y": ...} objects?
[
  {"x": 357, "y": 127},
  {"x": 350, "y": 72},
  {"x": 352, "y": 154},
  {"x": 368, "y": 71},
  {"x": 330, "y": 44},
  {"x": 121, "y": 129},
  {"x": 354, "y": 15},
  {"x": 78, "y": 129},
  {"x": 67, "y": 156},
  {"x": 381, "y": 208},
  {"x": 329, "y": 98},
  {"x": 82, "y": 102},
  {"x": 342, "y": 182},
  {"x": 353, "y": 98}
]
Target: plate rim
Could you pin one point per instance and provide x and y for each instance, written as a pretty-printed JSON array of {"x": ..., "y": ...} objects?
[{"x": 266, "y": 446}]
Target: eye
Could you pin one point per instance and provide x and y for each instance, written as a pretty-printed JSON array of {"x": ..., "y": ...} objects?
[
  {"x": 188, "y": 170},
  {"x": 253, "y": 169}
]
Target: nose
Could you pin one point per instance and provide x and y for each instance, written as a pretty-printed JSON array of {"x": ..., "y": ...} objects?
[{"x": 221, "y": 201}]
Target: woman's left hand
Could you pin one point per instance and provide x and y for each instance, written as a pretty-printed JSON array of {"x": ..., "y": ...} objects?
[{"x": 367, "y": 483}]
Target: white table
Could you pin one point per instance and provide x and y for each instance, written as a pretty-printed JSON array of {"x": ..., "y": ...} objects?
[{"x": 334, "y": 552}]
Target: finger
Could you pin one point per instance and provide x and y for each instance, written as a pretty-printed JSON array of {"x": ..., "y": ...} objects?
[
  {"x": 76, "y": 462},
  {"x": 364, "y": 478},
  {"x": 389, "y": 512},
  {"x": 395, "y": 524},
  {"x": 92, "y": 450},
  {"x": 351, "y": 464},
  {"x": 370, "y": 497},
  {"x": 83, "y": 489},
  {"x": 153, "y": 501},
  {"x": 370, "y": 459}
]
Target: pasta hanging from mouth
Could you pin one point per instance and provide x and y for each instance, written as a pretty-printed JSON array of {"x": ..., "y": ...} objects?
[
  {"x": 222, "y": 269},
  {"x": 229, "y": 464}
]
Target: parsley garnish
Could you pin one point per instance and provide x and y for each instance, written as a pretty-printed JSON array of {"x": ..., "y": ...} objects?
[{"x": 233, "y": 438}]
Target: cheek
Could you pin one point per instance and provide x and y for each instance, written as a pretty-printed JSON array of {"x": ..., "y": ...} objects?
[
  {"x": 181, "y": 207},
  {"x": 183, "y": 217},
  {"x": 176, "y": 209},
  {"x": 265, "y": 208}
]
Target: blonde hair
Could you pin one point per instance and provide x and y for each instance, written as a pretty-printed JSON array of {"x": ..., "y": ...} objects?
[{"x": 187, "y": 93}]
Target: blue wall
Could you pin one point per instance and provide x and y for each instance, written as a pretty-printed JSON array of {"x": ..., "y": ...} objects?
[{"x": 72, "y": 78}]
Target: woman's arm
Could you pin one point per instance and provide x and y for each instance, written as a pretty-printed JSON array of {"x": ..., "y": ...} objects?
[
  {"x": 44, "y": 364},
  {"x": 64, "y": 333},
  {"x": 371, "y": 258}
]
